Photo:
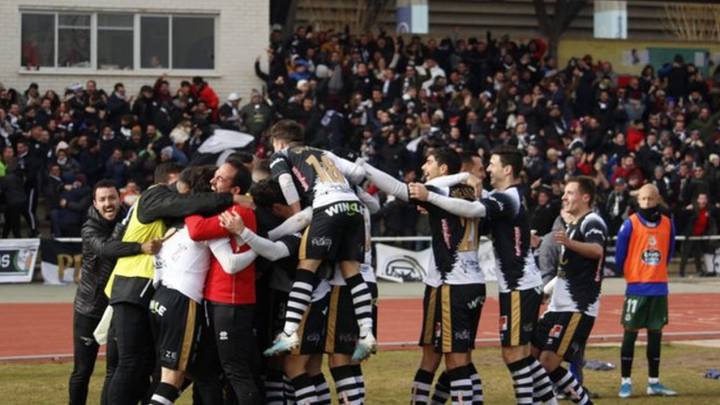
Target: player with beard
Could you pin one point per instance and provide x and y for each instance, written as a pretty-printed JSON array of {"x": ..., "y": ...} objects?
[
  {"x": 455, "y": 285},
  {"x": 519, "y": 280},
  {"x": 181, "y": 267},
  {"x": 304, "y": 362}
]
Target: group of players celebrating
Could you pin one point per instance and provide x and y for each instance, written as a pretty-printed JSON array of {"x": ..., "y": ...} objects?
[{"x": 193, "y": 306}]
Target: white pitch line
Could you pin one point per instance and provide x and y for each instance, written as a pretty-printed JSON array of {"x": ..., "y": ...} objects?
[{"x": 381, "y": 344}]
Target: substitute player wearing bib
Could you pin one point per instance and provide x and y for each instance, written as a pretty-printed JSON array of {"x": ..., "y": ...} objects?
[
  {"x": 336, "y": 232},
  {"x": 518, "y": 277},
  {"x": 455, "y": 291},
  {"x": 565, "y": 327},
  {"x": 644, "y": 247}
]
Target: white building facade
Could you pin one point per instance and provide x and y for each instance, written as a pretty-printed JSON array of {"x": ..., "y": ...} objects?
[{"x": 56, "y": 43}]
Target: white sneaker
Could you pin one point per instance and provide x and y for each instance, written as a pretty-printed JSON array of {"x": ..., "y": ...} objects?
[
  {"x": 365, "y": 347},
  {"x": 283, "y": 343}
]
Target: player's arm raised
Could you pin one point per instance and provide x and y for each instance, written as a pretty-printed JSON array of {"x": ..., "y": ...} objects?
[{"x": 387, "y": 183}]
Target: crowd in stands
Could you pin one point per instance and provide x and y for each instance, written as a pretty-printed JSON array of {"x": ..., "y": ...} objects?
[{"x": 386, "y": 98}]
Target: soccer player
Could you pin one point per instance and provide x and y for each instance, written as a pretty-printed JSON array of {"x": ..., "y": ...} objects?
[
  {"x": 342, "y": 331},
  {"x": 129, "y": 287},
  {"x": 180, "y": 270},
  {"x": 519, "y": 281},
  {"x": 336, "y": 232},
  {"x": 229, "y": 296},
  {"x": 565, "y": 327},
  {"x": 302, "y": 364},
  {"x": 644, "y": 247},
  {"x": 455, "y": 290}
]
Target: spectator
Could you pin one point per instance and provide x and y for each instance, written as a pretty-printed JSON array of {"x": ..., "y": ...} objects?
[
  {"x": 700, "y": 222},
  {"x": 13, "y": 190},
  {"x": 616, "y": 208}
]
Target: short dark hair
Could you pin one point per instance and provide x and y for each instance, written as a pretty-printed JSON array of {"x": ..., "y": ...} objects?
[
  {"x": 104, "y": 183},
  {"x": 242, "y": 178},
  {"x": 266, "y": 193},
  {"x": 164, "y": 170},
  {"x": 288, "y": 131},
  {"x": 509, "y": 156},
  {"x": 117, "y": 86},
  {"x": 241, "y": 157},
  {"x": 586, "y": 185},
  {"x": 198, "y": 178},
  {"x": 467, "y": 157},
  {"x": 447, "y": 156}
]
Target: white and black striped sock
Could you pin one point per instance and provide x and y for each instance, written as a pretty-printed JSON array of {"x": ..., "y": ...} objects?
[
  {"x": 542, "y": 386},
  {"x": 441, "y": 393},
  {"x": 304, "y": 390},
  {"x": 421, "y": 387},
  {"x": 359, "y": 380},
  {"x": 461, "y": 389},
  {"x": 362, "y": 303},
  {"x": 289, "y": 391},
  {"x": 274, "y": 388},
  {"x": 522, "y": 381},
  {"x": 346, "y": 386},
  {"x": 566, "y": 383},
  {"x": 478, "y": 396},
  {"x": 299, "y": 299},
  {"x": 322, "y": 390}
]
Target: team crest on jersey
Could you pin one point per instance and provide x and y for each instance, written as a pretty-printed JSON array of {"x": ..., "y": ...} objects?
[
  {"x": 651, "y": 257},
  {"x": 503, "y": 323},
  {"x": 556, "y": 331},
  {"x": 652, "y": 240}
]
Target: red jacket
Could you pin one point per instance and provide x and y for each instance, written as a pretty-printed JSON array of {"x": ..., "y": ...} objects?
[{"x": 238, "y": 288}]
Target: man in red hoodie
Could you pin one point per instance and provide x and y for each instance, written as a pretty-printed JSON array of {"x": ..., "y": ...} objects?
[
  {"x": 202, "y": 90},
  {"x": 229, "y": 299}
]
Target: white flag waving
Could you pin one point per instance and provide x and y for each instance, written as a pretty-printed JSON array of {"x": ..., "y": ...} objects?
[{"x": 402, "y": 265}]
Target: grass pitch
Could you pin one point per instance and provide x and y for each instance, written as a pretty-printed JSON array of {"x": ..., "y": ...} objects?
[{"x": 389, "y": 375}]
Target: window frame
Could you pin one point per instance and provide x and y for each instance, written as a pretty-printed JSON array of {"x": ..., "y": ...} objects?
[{"x": 137, "y": 69}]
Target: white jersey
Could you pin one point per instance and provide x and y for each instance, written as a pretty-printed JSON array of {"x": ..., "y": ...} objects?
[
  {"x": 182, "y": 264},
  {"x": 579, "y": 278},
  {"x": 319, "y": 176},
  {"x": 509, "y": 224},
  {"x": 455, "y": 241}
]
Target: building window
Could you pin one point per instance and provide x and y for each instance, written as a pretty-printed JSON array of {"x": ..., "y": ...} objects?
[
  {"x": 38, "y": 40},
  {"x": 73, "y": 40},
  {"x": 117, "y": 41},
  {"x": 193, "y": 43},
  {"x": 154, "y": 40}
]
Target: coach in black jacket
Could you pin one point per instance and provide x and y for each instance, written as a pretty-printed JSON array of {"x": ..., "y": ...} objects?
[{"x": 102, "y": 245}]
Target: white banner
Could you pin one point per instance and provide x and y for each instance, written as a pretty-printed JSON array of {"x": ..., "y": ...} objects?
[
  {"x": 400, "y": 265},
  {"x": 17, "y": 259}
]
